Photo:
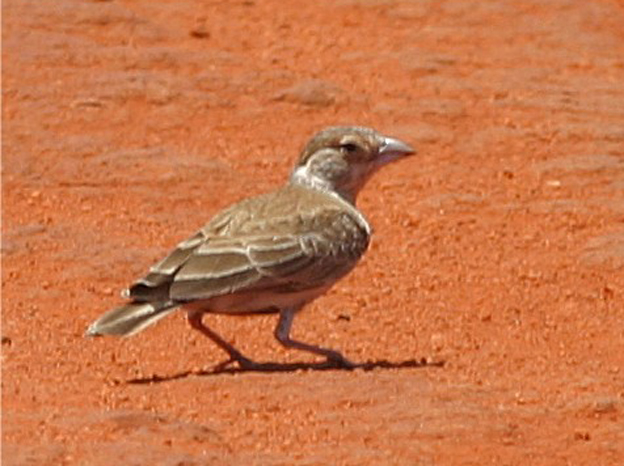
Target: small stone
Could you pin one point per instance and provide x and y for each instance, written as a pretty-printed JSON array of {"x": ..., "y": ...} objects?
[
  {"x": 437, "y": 341},
  {"x": 312, "y": 92},
  {"x": 200, "y": 32}
]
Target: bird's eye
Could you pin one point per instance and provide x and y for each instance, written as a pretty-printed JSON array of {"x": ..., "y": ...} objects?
[{"x": 349, "y": 147}]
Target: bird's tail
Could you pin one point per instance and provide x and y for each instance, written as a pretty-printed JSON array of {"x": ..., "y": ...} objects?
[{"x": 130, "y": 318}]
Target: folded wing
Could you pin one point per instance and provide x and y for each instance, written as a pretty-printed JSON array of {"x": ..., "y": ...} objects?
[{"x": 318, "y": 253}]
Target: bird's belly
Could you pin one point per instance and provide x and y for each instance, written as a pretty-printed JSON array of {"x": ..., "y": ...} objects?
[{"x": 250, "y": 302}]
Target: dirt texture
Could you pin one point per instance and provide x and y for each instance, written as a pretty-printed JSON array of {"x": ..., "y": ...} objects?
[{"x": 489, "y": 310}]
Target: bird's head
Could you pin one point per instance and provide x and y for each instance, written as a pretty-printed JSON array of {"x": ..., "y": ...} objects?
[{"x": 342, "y": 159}]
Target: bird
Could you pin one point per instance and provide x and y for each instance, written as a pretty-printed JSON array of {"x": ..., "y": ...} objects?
[{"x": 273, "y": 253}]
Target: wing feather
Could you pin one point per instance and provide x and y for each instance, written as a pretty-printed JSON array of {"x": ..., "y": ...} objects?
[
  {"x": 257, "y": 262},
  {"x": 202, "y": 288},
  {"x": 155, "y": 285}
]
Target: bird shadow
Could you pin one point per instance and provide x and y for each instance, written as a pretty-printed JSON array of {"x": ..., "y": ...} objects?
[{"x": 273, "y": 367}]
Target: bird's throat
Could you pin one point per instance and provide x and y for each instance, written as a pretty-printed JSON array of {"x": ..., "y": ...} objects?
[{"x": 304, "y": 176}]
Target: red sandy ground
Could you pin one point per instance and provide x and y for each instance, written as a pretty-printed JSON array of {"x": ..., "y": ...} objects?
[{"x": 499, "y": 249}]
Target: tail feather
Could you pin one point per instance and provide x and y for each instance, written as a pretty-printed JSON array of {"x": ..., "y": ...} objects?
[{"x": 130, "y": 318}]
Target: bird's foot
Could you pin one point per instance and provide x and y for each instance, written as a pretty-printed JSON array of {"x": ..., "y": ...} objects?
[
  {"x": 243, "y": 363},
  {"x": 249, "y": 365},
  {"x": 338, "y": 360}
]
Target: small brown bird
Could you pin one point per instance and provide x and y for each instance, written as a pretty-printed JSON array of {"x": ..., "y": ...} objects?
[{"x": 269, "y": 254}]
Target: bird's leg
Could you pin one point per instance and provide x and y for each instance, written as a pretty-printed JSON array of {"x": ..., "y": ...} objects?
[
  {"x": 282, "y": 333},
  {"x": 195, "y": 319}
]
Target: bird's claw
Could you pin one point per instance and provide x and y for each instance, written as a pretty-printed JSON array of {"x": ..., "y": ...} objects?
[
  {"x": 243, "y": 363},
  {"x": 339, "y": 360}
]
